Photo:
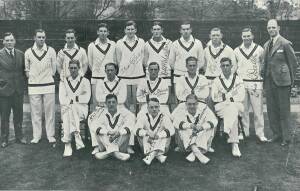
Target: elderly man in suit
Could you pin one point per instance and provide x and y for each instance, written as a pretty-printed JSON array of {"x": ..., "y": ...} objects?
[
  {"x": 11, "y": 88},
  {"x": 279, "y": 69}
]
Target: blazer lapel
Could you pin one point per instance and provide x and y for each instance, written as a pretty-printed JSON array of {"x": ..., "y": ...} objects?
[
  {"x": 7, "y": 62},
  {"x": 276, "y": 46}
]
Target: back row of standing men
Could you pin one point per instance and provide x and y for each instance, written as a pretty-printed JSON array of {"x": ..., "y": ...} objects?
[{"x": 185, "y": 57}]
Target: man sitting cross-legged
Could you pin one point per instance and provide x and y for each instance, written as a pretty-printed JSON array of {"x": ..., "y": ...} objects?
[
  {"x": 228, "y": 94},
  {"x": 74, "y": 96},
  {"x": 112, "y": 129},
  {"x": 154, "y": 130},
  {"x": 196, "y": 126}
]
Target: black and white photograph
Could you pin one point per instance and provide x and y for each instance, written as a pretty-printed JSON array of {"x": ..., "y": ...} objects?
[{"x": 150, "y": 95}]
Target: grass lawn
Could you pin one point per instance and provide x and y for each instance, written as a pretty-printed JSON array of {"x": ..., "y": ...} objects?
[{"x": 42, "y": 167}]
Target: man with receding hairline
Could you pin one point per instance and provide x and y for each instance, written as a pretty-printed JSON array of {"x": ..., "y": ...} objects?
[{"x": 280, "y": 65}]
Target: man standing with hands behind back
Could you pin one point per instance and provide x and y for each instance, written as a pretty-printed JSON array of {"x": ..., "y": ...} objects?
[
  {"x": 279, "y": 69},
  {"x": 11, "y": 88}
]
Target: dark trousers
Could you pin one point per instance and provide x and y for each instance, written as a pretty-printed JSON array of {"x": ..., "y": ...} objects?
[
  {"x": 14, "y": 102},
  {"x": 279, "y": 109}
]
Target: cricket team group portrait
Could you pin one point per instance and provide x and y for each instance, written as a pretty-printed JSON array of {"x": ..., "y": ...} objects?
[{"x": 126, "y": 112}]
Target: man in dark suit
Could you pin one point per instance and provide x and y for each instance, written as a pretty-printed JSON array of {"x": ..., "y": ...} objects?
[
  {"x": 279, "y": 69},
  {"x": 11, "y": 88}
]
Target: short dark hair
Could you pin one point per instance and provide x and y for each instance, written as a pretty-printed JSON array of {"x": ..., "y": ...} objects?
[
  {"x": 111, "y": 64},
  {"x": 74, "y": 62},
  {"x": 70, "y": 31},
  {"x": 8, "y": 34},
  {"x": 111, "y": 96},
  {"x": 39, "y": 30},
  {"x": 157, "y": 23},
  {"x": 190, "y": 58},
  {"x": 191, "y": 96},
  {"x": 154, "y": 99},
  {"x": 130, "y": 23},
  {"x": 186, "y": 23},
  {"x": 226, "y": 59},
  {"x": 102, "y": 25},
  {"x": 216, "y": 29},
  {"x": 247, "y": 29},
  {"x": 152, "y": 64}
]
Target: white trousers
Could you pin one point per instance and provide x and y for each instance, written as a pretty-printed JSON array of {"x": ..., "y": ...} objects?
[
  {"x": 229, "y": 112},
  {"x": 254, "y": 99},
  {"x": 36, "y": 105},
  {"x": 202, "y": 139},
  {"x": 72, "y": 114},
  {"x": 120, "y": 144}
]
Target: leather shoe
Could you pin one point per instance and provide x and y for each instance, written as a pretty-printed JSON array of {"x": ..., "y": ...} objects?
[
  {"x": 275, "y": 139},
  {"x": 4, "y": 144},
  {"x": 284, "y": 143},
  {"x": 21, "y": 141},
  {"x": 263, "y": 139}
]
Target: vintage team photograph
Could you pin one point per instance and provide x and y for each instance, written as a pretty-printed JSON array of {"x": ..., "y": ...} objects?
[{"x": 150, "y": 95}]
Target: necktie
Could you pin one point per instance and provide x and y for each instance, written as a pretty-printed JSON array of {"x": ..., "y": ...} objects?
[
  {"x": 11, "y": 53},
  {"x": 271, "y": 45}
]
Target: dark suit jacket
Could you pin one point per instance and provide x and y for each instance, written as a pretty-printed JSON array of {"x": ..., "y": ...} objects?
[
  {"x": 280, "y": 62},
  {"x": 11, "y": 73}
]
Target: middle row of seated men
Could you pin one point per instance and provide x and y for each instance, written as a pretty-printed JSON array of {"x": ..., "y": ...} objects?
[{"x": 113, "y": 127}]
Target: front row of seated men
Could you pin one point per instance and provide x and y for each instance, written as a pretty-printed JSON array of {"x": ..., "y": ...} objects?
[{"x": 113, "y": 128}]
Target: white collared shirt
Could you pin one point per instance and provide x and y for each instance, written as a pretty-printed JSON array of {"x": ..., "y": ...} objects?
[
  {"x": 10, "y": 51},
  {"x": 183, "y": 89},
  {"x": 181, "y": 50},
  {"x": 99, "y": 54},
  {"x": 117, "y": 87},
  {"x": 161, "y": 92},
  {"x": 249, "y": 62}
]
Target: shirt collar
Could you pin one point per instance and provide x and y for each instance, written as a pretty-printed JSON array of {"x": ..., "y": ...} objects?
[
  {"x": 75, "y": 47},
  {"x": 250, "y": 47},
  {"x": 8, "y": 51},
  {"x": 189, "y": 41},
  {"x": 115, "y": 80},
  {"x": 97, "y": 41},
  {"x": 115, "y": 115},
  {"x": 44, "y": 48},
  {"x": 163, "y": 40},
  {"x": 77, "y": 79},
  {"x": 210, "y": 44},
  {"x": 156, "y": 117},
  {"x": 230, "y": 77},
  {"x": 275, "y": 38},
  {"x": 125, "y": 38}
]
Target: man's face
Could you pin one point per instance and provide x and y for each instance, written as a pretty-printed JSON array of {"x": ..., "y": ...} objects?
[
  {"x": 110, "y": 71},
  {"x": 247, "y": 37},
  {"x": 130, "y": 31},
  {"x": 153, "y": 71},
  {"x": 186, "y": 30},
  {"x": 273, "y": 28},
  {"x": 153, "y": 108},
  {"x": 9, "y": 42},
  {"x": 226, "y": 68},
  {"x": 156, "y": 31},
  {"x": 40, "y": 38},
  {"x": 102, "y": 33},
  {"x": 216, "y": 37},
  {"x": 73, "y": 70},
  {"x": 192, "y": 67},
  {"x": 111, "y": 105},
  {"x": 70, "y": 39},
  {"x": 191, "y": 105}
]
